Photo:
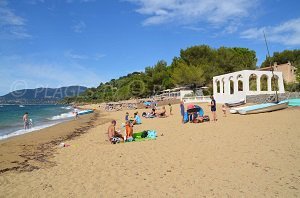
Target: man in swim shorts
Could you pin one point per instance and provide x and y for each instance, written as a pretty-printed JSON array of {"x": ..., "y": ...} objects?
[{"x": 113, "y": 136}]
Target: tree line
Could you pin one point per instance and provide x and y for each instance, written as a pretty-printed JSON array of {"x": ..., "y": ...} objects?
[{"x": 195, "y": 66}]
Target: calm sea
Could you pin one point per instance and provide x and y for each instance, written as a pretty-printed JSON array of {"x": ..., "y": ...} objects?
[{"x": 11, "y": 117}]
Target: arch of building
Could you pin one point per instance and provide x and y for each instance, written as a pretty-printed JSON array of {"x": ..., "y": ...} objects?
[{"x": 223, "y": 95}]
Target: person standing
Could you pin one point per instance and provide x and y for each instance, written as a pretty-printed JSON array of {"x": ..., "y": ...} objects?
[
  {"x": 182, "y": 111},
  {"x": 213, "y": 108},
  {"x": 26, "y": 120},
  {"x": 170, "y": 106}
]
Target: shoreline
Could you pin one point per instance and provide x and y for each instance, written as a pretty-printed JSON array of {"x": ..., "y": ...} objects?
[{"x": 34, "y": 150}]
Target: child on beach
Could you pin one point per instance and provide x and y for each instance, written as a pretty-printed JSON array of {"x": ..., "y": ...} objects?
[
  {"x": 224, "y": 109},
  {"x": 127, "y": 117},
  {"x": 170, "y": 109},
  {"x": 129, "y": 130}
]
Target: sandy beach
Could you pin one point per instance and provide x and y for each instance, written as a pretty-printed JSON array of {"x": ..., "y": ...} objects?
[{"x": 237, "y": 156}]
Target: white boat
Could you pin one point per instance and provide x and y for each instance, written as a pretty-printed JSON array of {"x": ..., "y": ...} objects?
[
  {"x": 236, "y": 109},
  {"x": 21, "y": 106},
  {"x": 235, "y": 104},
  {"x": 262, "y": 108}
]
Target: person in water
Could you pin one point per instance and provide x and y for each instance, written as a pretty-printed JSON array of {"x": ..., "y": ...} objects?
[
  {"x": 26, "y": 120},
  {"x": 113, "y": 135},
  {"x": 213, "y": 108}
]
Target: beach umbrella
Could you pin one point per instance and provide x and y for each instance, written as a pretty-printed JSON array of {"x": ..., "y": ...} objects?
[
  {"x": 196, "y": 109},
  {"x": 190, "y": 106}
]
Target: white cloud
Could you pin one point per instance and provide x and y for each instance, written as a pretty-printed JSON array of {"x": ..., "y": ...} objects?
[
  {"x": 12, "y": 26},
  {"x": 99, "y": 56},
  {"x": 72, "y": 55},
  {"x": 33, "y": 74},
  {"x": 213, "y": 12},
  {"x": 79, "y": 27},
  {"x": 287, "y": 33}
]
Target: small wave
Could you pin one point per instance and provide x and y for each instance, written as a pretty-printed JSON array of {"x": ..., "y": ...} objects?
[
  {"x": 62, "y": 116},
  {"x": 22, "y": 131},
  {"x": 69, "y": 107}
]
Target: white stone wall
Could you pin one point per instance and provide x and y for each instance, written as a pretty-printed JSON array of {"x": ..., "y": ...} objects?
[{"x": 224, "y": 95}]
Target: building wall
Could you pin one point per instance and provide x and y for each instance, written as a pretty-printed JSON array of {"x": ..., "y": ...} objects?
[{"x": 288, "y": 71}]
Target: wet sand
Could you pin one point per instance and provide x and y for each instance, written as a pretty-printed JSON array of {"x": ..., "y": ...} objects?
[
  {"x": 238, "y": 156},
  {"x": 35, "y": 149}
]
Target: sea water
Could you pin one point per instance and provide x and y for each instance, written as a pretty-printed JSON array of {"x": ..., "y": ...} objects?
[{"x": 11, "y": 118}]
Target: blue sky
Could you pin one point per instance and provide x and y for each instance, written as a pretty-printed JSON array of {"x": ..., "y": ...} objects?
[{"x": 53, "y": 43}]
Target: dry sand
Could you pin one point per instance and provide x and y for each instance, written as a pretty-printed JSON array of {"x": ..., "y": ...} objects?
[{"x": 238, "y": 156}]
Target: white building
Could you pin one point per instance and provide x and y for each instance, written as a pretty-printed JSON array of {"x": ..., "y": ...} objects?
[{"x": 234, "y": 87}]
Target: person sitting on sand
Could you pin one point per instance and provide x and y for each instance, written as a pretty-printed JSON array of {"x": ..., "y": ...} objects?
[
  {"x": 153, "y": 113},
  {"x": 162, "y": 114},
  {"x": 113, "y": 135},
  {"x": 129, "y": 130},
  {"x": 127, "y": 117},
  {"x": 137, "y": 119},
  {"x": 199, "y": 118}
]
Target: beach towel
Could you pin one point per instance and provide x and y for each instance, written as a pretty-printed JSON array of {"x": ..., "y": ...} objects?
[{"x": 145, "y": 135}]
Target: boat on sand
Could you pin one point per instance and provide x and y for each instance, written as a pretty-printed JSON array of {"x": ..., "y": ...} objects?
[{"x": 262, "y": 108}]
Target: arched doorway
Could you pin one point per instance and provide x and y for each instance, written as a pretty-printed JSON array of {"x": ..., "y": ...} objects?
[
  {"x": 240, "y": 82},
  {"x": 231, "y": 85},
  {"x": 218, "y": 86},
  {"x": 264, "y": 83},
  {"x": 253, "y": 82}
]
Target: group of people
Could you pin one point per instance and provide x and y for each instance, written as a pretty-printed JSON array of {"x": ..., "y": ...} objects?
[
  {"x": 196, "y": 117},
  {"x": 158, "y": 113},
  {"x": 116, "y": 136}
]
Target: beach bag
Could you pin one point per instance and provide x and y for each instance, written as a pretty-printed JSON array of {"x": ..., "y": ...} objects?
[
  {"x": 115, "y": 140},
  {"x": 144, "y": 134}
]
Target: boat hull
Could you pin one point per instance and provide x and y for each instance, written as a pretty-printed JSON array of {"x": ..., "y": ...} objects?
[
  {"x": 270, "y": 108},
  {"x": 235, "y": 104}
]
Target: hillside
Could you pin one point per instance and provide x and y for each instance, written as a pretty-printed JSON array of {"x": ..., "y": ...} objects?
[{"x": 41, "y": 95}]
